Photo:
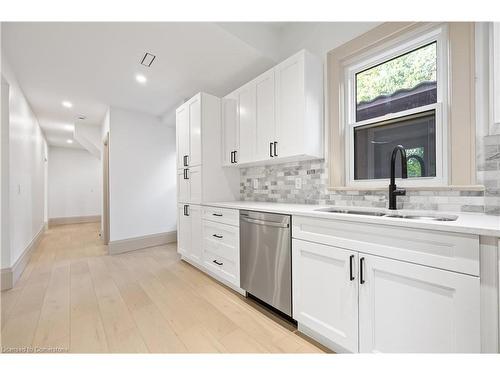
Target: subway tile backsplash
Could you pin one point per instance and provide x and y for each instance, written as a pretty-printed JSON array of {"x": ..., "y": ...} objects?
[{"x": 276, "y": 183}]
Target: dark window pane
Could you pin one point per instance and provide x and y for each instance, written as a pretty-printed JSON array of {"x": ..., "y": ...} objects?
[
  {"x": 405, "y": 82},
  {"x": 373, "y": 147}
]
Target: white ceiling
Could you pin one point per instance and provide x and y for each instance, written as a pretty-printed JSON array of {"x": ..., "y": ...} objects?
[{"x": 93, "y": 65}]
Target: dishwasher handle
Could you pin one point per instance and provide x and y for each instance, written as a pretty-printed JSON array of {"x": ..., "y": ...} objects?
[{"x": 265, "y": 222}]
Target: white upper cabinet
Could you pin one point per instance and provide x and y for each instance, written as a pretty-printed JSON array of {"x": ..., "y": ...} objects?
[
  {"x": 230, "y": 136},
  {"x": 278, "y": 116},
  {"x": 247, "y": 123},
  {"x": 265, "y": 116},
  {"x": 299, "y": 107},
  {"x": 290, "y": 105}
]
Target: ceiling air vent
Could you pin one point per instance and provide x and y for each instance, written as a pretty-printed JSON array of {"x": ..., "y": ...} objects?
[
  {"x": 81, "y": 117},
  {"x": 148, "y": 59}
]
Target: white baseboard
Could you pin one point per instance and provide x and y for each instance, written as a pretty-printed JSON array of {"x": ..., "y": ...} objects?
[
  {"x": 9, "y": 276},
  {"x": 74, "y": 220},
  {"x": 137, "y": 243}
]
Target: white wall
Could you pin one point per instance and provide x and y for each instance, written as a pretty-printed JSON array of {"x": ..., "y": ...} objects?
[
  {"x": 74, "y": 183},
  {"x": 142, "y": 172},
  {"x": 4, "y": 177},
  {"x": 104, "y": 128},
  {"x": 27, "y": 150}
]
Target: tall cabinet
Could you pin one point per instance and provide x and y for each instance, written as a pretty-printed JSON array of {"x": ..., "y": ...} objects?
[
  {"x": 200, "y": 176},
  {"x": 276, "y": 117}
]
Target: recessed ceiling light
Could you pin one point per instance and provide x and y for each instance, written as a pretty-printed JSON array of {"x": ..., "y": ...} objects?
[
  {"x": 140, "y": 78},
  {"x": 70, "y": 141},
  {"x": 67, "y": 104},
  {"x": 69, "y": 127}
]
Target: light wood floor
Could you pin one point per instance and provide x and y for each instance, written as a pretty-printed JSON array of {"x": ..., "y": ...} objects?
[{"x": 73, "y": 297}]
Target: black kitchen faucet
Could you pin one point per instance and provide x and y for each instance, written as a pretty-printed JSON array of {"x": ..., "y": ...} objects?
[{"x": 393, "y": 190}]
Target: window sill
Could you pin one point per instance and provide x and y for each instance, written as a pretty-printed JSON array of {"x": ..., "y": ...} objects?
[{"x": 411, "y": 188}]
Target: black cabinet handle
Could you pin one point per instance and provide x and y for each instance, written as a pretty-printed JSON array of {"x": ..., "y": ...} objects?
[
  {"x": 186, "y": 207},
  {"x": 232, "y": 157},
  {"x": 235, "y": 156},
  {"x": 361, "y": 270},
  {"x": 275, "y": 148},
  {"x": 351, "y": 266},
  {"x": 219, "y": 264},
  {"x": 216, "y": 235},
  {"x": 185, "y": 158},
  {"x": 217, "y": 214},
  {"x": 186, "y": 177},
  {"x": 271, "y": 149}
]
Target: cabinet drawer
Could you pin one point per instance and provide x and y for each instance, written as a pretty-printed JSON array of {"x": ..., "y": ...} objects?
[
  {"x": 222, "y": 267},
  {"x": 221, "y": 239},
  {"x": 451, "y": 251},
  {"x": 222, "y": 215}
]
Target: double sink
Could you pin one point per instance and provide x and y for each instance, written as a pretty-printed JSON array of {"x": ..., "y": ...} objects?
[{"x": 396, "y": 215}]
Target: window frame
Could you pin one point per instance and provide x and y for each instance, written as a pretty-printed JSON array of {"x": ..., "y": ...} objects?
[{"x": 376, "y": 56}]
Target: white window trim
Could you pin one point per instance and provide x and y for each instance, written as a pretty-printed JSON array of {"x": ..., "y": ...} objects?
[
  {"x": 375, "y": 56},
  {"x": 495, "y": 74}
]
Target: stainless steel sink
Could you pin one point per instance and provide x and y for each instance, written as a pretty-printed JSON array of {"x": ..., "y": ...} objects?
[
  {"x": 388, "y": 214},
  {"x": 352, "y": 212},
  {"x": 424, "y": 217}
]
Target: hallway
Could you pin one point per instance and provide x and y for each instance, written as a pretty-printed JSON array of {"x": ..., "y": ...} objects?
[{"x": 73, "y": 297}]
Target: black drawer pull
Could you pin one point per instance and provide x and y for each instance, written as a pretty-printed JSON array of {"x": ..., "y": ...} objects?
[
  {"x": 216, "y": 235},
  {"x": 361, "y": 271},
  {"x": 234, "y": 158},
  {"x": 271, "y": 149},
  {"x": 219, "y": 264},
  {"x": 275, "y": 149},
  {"x": 351, "y": 266},
  {"x": 217, "y": 215},
  {"x": 186, "y": 208},
  {"x": 185, "y": 159}
]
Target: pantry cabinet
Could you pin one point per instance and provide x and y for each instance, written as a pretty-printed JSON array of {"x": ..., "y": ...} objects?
[
  {"x": 200, "y": 176},
  {"x": 182, "y": 136},
  {"x": 189, "y": 227},
  {"x": 278, "y": 116},
  {"x": 195, "y": 113}
]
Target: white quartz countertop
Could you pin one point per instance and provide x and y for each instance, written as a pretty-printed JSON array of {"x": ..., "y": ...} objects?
[{"x": 472, "y": 223}]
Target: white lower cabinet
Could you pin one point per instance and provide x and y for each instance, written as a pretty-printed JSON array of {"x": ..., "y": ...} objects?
[
  {"x": 209, "y": 238},
  {"x": 221, "y": 250},
  {"x": 189, "y": 239},
  {"x": 409, "y": 308},
  {"x": 383, "y": 305},
  {"x": 325, "y": 291}
]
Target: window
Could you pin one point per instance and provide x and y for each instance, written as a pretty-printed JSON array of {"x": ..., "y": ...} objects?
[
  {"x": 405, "y": 82},
  {"x": 373, "y": 145},
  {"x": 394, "y": 97}
]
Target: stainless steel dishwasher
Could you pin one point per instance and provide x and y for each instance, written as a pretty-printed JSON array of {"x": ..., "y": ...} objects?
[{"x": 266, "y": 258}]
